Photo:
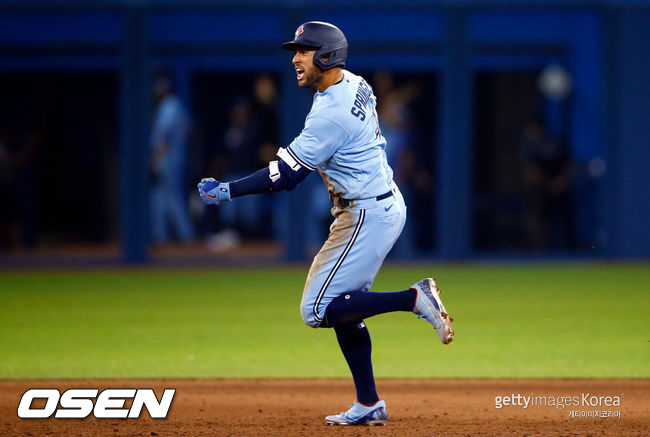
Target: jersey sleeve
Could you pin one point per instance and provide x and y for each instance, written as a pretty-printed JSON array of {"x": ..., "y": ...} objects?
[{"x": 317, "y": 142}]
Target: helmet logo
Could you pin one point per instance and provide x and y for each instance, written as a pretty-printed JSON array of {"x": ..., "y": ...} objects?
[{"x": 299, "y": 32}]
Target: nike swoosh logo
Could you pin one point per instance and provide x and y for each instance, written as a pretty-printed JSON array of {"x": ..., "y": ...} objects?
[
  {"x": 211, "y": 196},
  {"x": 391, "y": 205}
]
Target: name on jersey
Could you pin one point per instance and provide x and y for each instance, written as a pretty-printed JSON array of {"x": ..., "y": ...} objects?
[{"x": 361, "y": 100}]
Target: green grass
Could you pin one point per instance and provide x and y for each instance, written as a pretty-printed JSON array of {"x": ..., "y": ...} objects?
[{"x": 574, "y": 320}]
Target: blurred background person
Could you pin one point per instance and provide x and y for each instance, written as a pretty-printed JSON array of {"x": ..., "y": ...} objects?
[
  {"x": 265, "y": 120},
  {"x": 548, "y": 172},
  {"x": 167, "y": 165},
  {"x": 18, "y": 169},
  {"x": 397, "y": 127},
  {"x": 249, "y": 142}
]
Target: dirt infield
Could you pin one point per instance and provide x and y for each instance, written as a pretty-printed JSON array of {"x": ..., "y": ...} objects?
[{"x": 297, "y": 407}]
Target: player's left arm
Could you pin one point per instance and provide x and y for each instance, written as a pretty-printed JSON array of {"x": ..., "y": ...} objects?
[
  {"x": 278, "y": 176},
  {"x": 316, "y": 143}
]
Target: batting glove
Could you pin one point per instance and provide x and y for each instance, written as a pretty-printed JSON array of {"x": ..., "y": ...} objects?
[{"x": 214, "y": 192}]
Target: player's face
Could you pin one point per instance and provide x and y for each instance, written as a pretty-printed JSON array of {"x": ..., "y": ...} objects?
[{"x": 308, "y": 74}]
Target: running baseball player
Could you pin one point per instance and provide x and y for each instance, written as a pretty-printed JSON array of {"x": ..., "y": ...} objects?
[{"x": 342, "y": 140}]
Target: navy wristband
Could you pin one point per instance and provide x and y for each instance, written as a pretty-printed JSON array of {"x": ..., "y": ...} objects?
[{"x": 258, "y": 182}]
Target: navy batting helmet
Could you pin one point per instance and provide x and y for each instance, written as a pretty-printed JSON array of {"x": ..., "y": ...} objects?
[{"x": 327, "y": 39}]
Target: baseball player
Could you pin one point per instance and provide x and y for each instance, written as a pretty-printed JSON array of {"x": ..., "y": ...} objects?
[{"x": 342, "y": 141}]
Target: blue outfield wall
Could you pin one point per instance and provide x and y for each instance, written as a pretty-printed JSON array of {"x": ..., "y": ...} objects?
[
  {"x": 604, "y": 44},
  {"x": 628, "y": 120}
]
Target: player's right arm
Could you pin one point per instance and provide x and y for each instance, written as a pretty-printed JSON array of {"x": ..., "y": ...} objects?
[{"x": 316, "y": 143}]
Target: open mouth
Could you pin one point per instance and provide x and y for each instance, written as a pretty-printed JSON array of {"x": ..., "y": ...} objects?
[{"x": 300, "y": 73}]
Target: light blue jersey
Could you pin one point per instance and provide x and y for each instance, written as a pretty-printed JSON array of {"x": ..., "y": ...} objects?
[
  {"x": 168, "y": 205},
  {"x": 170, "y": 127},
  {"x": 342, "y": 139}
]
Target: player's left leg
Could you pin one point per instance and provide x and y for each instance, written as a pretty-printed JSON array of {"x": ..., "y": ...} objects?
[
  {"x": 359, "y": 240},
  {"x": 355, "y": 343}
]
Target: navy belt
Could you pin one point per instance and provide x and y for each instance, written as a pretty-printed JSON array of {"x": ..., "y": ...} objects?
[
  {"x": 384, "y": 196},
  {"x": 344, "y": 203}
]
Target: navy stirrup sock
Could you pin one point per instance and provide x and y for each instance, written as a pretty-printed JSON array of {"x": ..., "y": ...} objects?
[
  {"x": 358, "y": 305},
  {"x": 355, "y": 344},
  {"x": 346, "y": 313}
]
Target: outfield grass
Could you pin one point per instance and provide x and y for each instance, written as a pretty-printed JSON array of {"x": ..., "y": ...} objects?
[{"x": 575, "y": 320}]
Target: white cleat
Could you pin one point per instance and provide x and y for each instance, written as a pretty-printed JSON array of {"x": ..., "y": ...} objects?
[
  {"x": 429, "y": 307},
  {"x": 359, "y": 414}
]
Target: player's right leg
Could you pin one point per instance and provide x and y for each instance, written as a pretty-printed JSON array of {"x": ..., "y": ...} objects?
[
  {"x": 358, "y": 305},
  {"x": 422, "y": 298},
  {"x": 359, "y": 240}
]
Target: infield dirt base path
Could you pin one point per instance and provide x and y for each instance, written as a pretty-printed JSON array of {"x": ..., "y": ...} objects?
[{"x": 297, "y": 407}]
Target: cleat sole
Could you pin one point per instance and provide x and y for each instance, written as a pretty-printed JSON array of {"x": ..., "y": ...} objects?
[{"x": 428, "y": 286}]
